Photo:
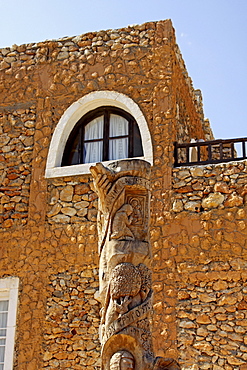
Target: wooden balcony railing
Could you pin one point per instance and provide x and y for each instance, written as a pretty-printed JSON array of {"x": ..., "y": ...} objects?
[{"x": 209, "y": 152}]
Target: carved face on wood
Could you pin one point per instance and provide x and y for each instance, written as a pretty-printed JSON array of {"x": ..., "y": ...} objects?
[{"x": 122, "y": 360}]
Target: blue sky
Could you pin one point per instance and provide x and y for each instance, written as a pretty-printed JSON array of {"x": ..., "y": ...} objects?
[{"x": 211, "y": 35}]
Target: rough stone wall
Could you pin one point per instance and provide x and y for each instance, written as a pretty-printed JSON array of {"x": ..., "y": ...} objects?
[
  {"x": 16, "y": 146},
  {"x": 53, "y": 74},
  {"x": 57, "y": 267},
  {"x": 212, "y": 312},
  {"x": 72, "y": 200},
  {"x": 52, "y": 244},
  {"x": 200, "y": 269},
  {"x": 139, "y": 62},
  {"x": 59, "y": 239},
  {"x": 205, "y": 248},
  {"x": 214, "y": 186},
  {"x": 72, "y": 321},
  {"x": 188, "y": 105}
]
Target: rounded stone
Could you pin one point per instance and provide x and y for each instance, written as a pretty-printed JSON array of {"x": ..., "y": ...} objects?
[
  {"x": 69, "y": 211},
  {"x": 177, "y": 205},
  {"x": 66, "y": 194},
  {"x": 192, "y": 206},
  {"x": 213, "y": 200}
]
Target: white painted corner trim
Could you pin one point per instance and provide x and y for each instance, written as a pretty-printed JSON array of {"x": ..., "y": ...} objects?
[
  {"x": 77, "y": 110},
  {"x": 9, "y": 291}
]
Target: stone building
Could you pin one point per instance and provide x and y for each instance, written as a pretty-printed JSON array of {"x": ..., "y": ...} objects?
[{"x": 133, "y": 85}]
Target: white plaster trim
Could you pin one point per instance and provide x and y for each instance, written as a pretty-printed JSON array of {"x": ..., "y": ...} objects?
[
  {"x": 9, "y": 291},
  {"x": 71, "y": 116}
]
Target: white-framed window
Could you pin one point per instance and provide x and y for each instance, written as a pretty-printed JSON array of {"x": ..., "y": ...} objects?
[
  {"x": 104, "y": 134},
  {"x": 8, "y": 309},
  {"x": 88, "y": 103}
]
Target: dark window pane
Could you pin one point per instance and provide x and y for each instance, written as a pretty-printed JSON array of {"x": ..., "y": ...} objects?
[
  {"x": 74, "y": 154},
  {"x": 72, "y": 151},
  {"x": 137, "y": 148}
]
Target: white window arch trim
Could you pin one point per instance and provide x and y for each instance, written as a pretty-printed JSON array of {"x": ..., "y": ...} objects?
[
  {"x": 9, "y": 291},
  {"x": 77, "y": 110}
]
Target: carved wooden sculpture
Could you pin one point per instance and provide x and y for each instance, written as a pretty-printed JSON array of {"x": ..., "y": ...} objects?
[{"x": 125, "y": 259}]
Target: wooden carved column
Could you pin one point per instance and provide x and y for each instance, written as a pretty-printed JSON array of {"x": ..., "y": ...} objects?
[{"x": 125, "y": 274}]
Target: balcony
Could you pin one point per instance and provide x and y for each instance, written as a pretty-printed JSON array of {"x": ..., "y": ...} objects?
[{"x": 209, "y": 152}]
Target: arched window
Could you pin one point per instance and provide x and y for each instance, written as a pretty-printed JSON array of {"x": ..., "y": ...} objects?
[
  {"x": 105, "y": 133},
  {"x": 62, "y": 146}
]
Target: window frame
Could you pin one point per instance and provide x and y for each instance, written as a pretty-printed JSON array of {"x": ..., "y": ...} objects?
[
  {"x": 9, "y": 291},
  {"x": 77, "y": 110},
  {"x": 79, "y": 130}
]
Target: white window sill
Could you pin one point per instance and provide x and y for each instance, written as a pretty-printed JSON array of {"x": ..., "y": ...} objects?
[{"x": 80, "y": 169}]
